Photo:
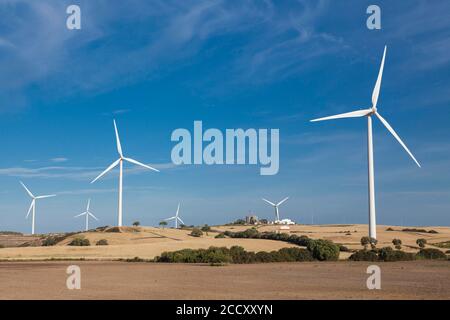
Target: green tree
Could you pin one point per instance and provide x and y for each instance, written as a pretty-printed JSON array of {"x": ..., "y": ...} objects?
[
  {"x": 136, "y": 224},
  {"x": 163, "y": 224},
  {"x": 397, "y": 243},
  {"x": 421, "y": 243},
  {"x": 373, "y": 243},
  {"x": 206, "y": 229},
  {"x": 365, "y": 241}
]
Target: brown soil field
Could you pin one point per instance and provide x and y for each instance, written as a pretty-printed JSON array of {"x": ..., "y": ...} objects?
[
  {"x": 148, "y": 242},
  {"x": 307, "y": 280}
]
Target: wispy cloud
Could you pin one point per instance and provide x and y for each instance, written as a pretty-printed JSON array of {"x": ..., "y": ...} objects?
[
  {"x": 59, "y": 159},
  {"x": 73, "y": 173},
  {"x": 280, "y": 41}
]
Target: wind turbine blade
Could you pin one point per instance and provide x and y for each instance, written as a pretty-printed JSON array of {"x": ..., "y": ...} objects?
[
  {"x": 28, "y": 191},
  {"x": 29, "y": 210},
  {"x": 88, "y": 205},
  {"x": 140, "y": 164},
  {"x": 81, "y": 214},
  {"x": 391, "y": 130},
  {"x": 269, "y": 202},
  {"x": 92, "y": 216},
  {"x": 47, "y": 196},
  {"x": 282, "y": 201},
  {"x": 119, "y": 147},
  {"x": 179, "y": 219},
  {"x": 178, "y": 210},
  {"x": 376, "y": 90},
  {"x": 115, "y": 163},
  {"x": 353, "y": 114},
  {"x": 171, "y": 218}
]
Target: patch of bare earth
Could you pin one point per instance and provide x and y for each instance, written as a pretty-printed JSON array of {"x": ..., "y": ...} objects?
[{"x": 312, "y": 280}]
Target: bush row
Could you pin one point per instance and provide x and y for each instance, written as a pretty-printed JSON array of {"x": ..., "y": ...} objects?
[
  {"x": 389, "y": 254},
  {"x": 322, "y": 250},
  {"x": 236, "y": 254}
]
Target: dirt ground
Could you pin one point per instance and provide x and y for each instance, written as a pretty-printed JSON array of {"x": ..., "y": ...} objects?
[{"x": 308, "y": 280}]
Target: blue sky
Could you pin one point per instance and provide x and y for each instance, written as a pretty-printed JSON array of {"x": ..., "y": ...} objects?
[{"x": 156, "y": 66}]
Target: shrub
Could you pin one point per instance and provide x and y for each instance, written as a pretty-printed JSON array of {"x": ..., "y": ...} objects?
[
  {"x": 388, "y": 254},
  {"x": 364, "y": 255},
  {"x": 49, "y": 241},
  {"x": 1, "y": 246},
  {"x": 447, "y": 252},
  {"x": 295, "y": 254},
  {"x": 323, "y": 250},
  {"x": 80, "y": 242},
  {"x": 196, "y": 233},
  {"x": 365, "y": 241},
  {"x": 220, "y": 236},
  {"x": 136, "y": 224},
  {"x": 397, "y": 243},
  {"x": 431, "y": 254},
  {"x": 343, "y": 248},
  {"x": 389, "y": 229},
  {"x": 421, "y": 243},
  {"x": 102, "y": 242},
  {"x": 135, "y": 259}
]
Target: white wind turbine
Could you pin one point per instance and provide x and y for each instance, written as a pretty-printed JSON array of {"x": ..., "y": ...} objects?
[
  {"x": 87, "y": 213},
  {"x": 120, "y": 163},
  {"x": 276, "y": 205},
  {"x": 176, "y": 218},
  {"x": 33, "y": 205},
  {"x": 369, "y": 113}
]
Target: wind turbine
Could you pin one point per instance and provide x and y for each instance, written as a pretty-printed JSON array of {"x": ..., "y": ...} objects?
[
  {"x": 33, "y": 205},
  {"x": 276, "y": 205},
  {"x": 87, "y": 213},
  {"x": 120, "y": 163},
  {"x": 176, "y": 218},
  {"x": 369, "y": 113}
]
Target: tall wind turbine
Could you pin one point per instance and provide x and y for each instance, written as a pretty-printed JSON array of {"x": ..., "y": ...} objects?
[
  {"x": 176, "y": 218},
  {"x": 276, "y": 205},
  {"x": 120, "y": 163},
  {"x": 33, "y": 205},
  {"x": 87, "y": 213},
  {"x": 369, "y": 113}
]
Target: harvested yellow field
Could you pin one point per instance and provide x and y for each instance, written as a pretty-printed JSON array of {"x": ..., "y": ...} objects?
[{"x": 148, "y": 242}]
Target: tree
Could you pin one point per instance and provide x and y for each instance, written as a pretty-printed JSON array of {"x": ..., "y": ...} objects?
[
  {"x": 373, "y": 243},
  {"x": 365, "y": 241},
  {"x": 206, "y": 229},
  {"x": 263, "y": 221},
  {"x": 136, "y": 224},
  {"x": 397, "y": 243},
  {"x": 163, "y": 224},
  {"x": 421, "y": 243}
]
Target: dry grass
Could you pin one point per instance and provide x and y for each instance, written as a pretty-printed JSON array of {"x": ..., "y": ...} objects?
[{"x": 148, "y": 242}]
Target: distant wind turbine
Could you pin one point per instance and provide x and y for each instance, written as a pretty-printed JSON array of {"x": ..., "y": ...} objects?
[
  {"x": 176, "y": 218},
  {"x": 276, "y": 205},
  {"x": 369, "y": 113},
  {"x": 120, "y": 163},
  {"x": 87, "y": 213},
  {"x": 33, "y": 205}
]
